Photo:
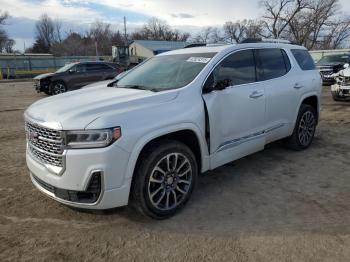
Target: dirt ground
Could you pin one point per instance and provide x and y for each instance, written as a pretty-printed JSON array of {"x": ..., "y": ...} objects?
[{"x": 276, "y": 205}]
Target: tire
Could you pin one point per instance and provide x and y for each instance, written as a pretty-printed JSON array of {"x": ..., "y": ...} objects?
[
  {"x": 164, "y": 179},
  {"x": 47, "y": 92},
  {"x": 304, "y": 129},
  {"x": 58, "y": 87}
]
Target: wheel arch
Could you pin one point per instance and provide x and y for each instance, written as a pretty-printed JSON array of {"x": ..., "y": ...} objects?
[
  {"x": 55, "y": 80},
  {"x": 189, "y": 134},
  {"x": 312, "y": 99}
]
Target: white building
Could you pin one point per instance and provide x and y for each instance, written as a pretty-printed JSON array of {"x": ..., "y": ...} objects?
[{"x": 140, "y": 50}]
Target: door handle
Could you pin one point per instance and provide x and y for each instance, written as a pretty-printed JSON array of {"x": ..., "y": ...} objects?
[
  {"x": 298, "y": 86},
  {"x": 256, "y": 94}
]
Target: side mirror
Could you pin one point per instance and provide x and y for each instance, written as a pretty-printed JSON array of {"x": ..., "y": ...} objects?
[
  {"x": 346, "y": 65},
  {"x": 71, "y": 71},
  {"x": 210, "y": 85},
  {"x": 222, "y": 84}
]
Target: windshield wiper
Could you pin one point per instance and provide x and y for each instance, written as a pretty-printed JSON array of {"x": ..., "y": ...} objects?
[{"x": 139, "y": 87}]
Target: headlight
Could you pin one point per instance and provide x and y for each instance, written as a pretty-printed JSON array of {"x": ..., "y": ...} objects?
[{"x": 92, "y": 138}]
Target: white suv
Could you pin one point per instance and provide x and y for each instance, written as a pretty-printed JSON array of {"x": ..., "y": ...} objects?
[{"x": 144, "y": 138}]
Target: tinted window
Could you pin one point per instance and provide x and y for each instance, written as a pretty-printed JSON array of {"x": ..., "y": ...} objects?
[
  {"x": 286, "y": 60},
  {"x": 273, "y": 63},
  {"x": 79, "y": 68},
  {"x": 97, "y": 67},
  {"x": 104, "y": 67},
  {"x": 238, "y": 68},
  {"x": 304, "y": 59}
]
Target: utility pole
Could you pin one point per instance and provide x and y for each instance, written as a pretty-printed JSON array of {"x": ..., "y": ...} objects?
[
  {"x": 96, "y": 49},
  {"x": 125, "y": 36}
]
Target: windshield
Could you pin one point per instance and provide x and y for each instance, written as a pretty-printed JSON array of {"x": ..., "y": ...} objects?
[
  {"x": 65, "y": 68},
  {"x": 332, "y": 59},
  {"x": 166, "y": 72}
]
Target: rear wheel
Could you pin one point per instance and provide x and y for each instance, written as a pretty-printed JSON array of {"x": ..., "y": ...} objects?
[
  {"x": 304, "y": 129},
  {"x": 58, "y": 88},
  {"x": 165, "y": 177}
]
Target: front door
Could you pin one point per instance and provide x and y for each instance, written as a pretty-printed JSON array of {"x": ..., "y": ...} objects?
[
  {"x": 236, "y": 108},
  {"x": 77, "y": 76}
]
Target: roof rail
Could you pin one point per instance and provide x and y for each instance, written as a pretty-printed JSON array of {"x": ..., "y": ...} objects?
[
  {"x": 264, "y": 40},
  {"x": 203, "y": 44},
  {"x": 195, "y": 45},
  {"x": 275, "y": 40}
]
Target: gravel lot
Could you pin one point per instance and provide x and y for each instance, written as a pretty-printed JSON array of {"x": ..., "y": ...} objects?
[{"x": 276, "y": 205}]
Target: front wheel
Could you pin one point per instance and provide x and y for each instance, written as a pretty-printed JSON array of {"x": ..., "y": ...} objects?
[
  {"x": 58, "y": 88},
  {"x": 164, "y": 180},
  {"x": 304, "y": 129}
]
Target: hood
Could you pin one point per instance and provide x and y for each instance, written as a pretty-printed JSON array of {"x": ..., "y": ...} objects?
[
  {"x": 329, "y": 64},
  {"x": 77, "y": 109},
  {"x": 42, "y": 76},
  {"x": 345, "y": 72},
  {"x": 99, "y": 84}
]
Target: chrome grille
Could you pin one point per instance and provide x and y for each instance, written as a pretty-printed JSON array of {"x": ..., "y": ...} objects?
[{"x": 45, "y": 144}]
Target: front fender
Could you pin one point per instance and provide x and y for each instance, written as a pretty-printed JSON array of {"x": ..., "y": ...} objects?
[{"x": 143, "y": 141}]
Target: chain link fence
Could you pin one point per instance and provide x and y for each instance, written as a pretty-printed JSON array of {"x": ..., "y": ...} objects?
[{"x": 29, "y": 65}]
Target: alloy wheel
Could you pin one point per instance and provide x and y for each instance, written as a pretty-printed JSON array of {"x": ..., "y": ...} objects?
[
  {"x": 170, "y": 181},
  {"x": 59, "y": 88},
  {"x": 306, "y": 128}
]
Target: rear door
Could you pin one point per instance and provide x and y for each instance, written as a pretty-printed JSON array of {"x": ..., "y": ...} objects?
[
  {"x": 237, "y": 112},
  {"x": 97, "y": 72},
  {"x": 281, "y": 88}
]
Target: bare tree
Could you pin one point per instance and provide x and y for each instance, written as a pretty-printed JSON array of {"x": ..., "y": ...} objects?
[
  {"x": 156, "y": 29},
  {"x": 6, "y": 43},
  {"x": 254, "y": 28},
  {"x": 235, "y": 32},
  {"x": 279, "y": 13},
  {"x": 44, "y": 30},
  {"x": 312, "y": 23},
  {"x": 9, "y": 46},
  {"x": 204, "y": 35},
  {"x": 319, "y": 26},
  {"x": 3, "y": 17},
  {"x": 57, "y": 30},
  {"x": 217, "y": 36},
  {"x": 48, "y": 32},
  {"x": 340, "y": 32}
]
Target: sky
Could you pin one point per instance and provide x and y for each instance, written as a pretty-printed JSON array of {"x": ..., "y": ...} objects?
[{"x": 185, "y": 15}]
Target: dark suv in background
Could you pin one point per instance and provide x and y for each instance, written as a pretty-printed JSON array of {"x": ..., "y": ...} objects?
[
  {"x": 75, "y": 75},
  {"x": 331, "y": 64}
]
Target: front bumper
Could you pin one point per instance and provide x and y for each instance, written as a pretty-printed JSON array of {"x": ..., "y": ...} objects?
[
  {"x": 73, "y": 186},
  {"x": 41, "y": 86},
  {"x": 327, "y": 79},
  {"x": 342, "y": 89}
]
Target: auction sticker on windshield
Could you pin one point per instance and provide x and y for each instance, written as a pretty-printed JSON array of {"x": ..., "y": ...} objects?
[{"x": 203, "y": 60}]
